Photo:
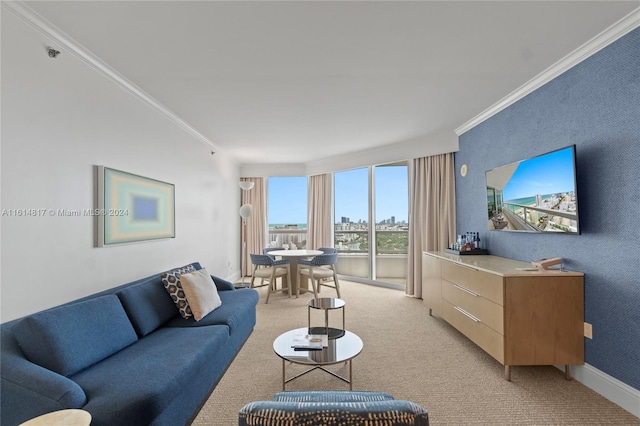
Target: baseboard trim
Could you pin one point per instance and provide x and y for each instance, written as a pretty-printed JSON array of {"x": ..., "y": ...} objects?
[
  {"x": 611, "y": 388},
  {"x": 234, "y": 277}
]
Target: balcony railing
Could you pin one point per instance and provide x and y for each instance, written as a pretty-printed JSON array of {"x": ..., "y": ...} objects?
[
  {"x": 387, "y": 241},
  {"x": 351, "y": 241},
  {"x": 539, "y": 218},
  {"x": 281, "y": 236},
  {"x": 392, "y": 242},
  {"x": 353, "y": 249}
]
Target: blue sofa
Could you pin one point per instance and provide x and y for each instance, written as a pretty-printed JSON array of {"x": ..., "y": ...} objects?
[
  {"x": 125, "y": 355},
  {"x": 333, "y": 408}
]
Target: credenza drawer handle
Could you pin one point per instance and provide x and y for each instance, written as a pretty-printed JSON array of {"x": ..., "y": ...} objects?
[
  {"x": 467, "y": 266},
  {"x": 462, "y": 311},
  {"x": 466, "y": 290}
]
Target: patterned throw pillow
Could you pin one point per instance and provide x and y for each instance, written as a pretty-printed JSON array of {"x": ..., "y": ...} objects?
[{"x": 171, "y": 281}]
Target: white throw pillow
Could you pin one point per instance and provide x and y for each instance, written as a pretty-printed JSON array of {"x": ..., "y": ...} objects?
[{"x": 201, "y": 292}]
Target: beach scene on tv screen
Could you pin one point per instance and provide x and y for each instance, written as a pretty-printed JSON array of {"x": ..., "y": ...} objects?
[{"x": 535, "y": 195}]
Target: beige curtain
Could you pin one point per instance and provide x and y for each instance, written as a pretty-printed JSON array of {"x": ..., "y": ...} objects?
[
  {"x": 432, "y": 212},
  {"x": 254, "y": 233},
  {"x": 319, "y": 212}
]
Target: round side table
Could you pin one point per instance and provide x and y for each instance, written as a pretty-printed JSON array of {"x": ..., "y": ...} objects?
[
  {"x": 70, "y": 417},
  {"x": 326, "y": 304}
]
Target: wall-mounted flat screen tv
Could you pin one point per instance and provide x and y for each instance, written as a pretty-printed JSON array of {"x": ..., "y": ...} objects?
[{"x": 535, "y": 195}]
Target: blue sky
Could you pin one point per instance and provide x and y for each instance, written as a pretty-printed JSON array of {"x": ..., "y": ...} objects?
[
  {"x": 392, "y": 193},
  {"x": 546, "y": 174},
  {"x": 288, "y": 196},
  {"x": 287, "y": 200}
]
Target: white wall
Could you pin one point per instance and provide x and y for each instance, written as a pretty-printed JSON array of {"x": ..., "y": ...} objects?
[{"x": 61, "y": 118}]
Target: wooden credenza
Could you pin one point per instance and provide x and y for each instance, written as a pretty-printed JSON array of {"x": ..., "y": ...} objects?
[{"x": 518, "y": 317}]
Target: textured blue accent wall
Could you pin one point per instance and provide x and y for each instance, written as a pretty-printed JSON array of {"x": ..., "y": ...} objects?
[{"x": 596, "y": 106}]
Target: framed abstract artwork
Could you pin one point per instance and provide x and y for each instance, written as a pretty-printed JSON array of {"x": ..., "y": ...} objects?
[{"x": 133, "y": 208}]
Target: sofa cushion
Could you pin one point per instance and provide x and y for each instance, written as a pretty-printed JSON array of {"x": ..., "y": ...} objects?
[
  {"x": 147, "y": 304},
  {"x": 134, "y": 386},
  {"x": 201, "y": 293},
  {"x": 238, "y": 307},
  {"x": 171, "y": 281},
  {"x": 72, "y": 337}
]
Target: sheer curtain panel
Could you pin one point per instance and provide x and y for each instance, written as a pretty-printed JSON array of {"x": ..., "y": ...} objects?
[
  {"x": 432, "y": 217},
  {"x": 319, "y": 212},
  {"x": 257, "y": 222}
]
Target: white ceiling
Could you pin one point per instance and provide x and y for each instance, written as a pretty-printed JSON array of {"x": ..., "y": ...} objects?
[{"x": 294, "y": 82}]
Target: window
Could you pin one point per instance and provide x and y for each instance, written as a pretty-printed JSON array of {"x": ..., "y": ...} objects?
[
  {"x": 392, "y": 209},
  {"x": 287, "y": 211},
  {"x": 351, "y": 199},
  {"x": 392, "y": 222},
  {"x": 377, "y": 194}
]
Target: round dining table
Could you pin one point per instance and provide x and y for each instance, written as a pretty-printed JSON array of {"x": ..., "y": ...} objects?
[{"x": 293, "y": 256}]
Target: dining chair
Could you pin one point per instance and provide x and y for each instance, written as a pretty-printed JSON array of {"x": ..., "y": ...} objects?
[
  {"x": 328, "y": 250},
  {"x": 266, "y": 268},
  {"x": 319, "y": 269},
  {"x": 266, "y": 251}
]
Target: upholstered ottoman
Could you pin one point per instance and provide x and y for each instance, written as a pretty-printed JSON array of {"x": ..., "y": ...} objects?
[{"x": 332, "y": 408}]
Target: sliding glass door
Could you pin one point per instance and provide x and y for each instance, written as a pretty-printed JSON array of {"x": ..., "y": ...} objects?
[
  {"x": 351, "y": 218},
  {"x": 378, "y": 195},
  {"x": 391, "y": 194}
]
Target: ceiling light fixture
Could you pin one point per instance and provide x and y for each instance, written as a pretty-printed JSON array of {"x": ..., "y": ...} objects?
[
  {"x": 53, "y": 53},
  {"x": 245, "y": 185}
]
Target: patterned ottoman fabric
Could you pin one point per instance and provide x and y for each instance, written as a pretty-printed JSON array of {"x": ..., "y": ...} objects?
[
  {"x": 333, "y": 408},
  {"x": 331, "y": 396}
]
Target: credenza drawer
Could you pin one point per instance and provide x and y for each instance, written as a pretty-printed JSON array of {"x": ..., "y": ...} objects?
[
  {"x": 488, "y": 339},
  {"x": 488, "y": 312},
  {"x": 489, "y": 286},
  {"x": 517, "y": 317}
]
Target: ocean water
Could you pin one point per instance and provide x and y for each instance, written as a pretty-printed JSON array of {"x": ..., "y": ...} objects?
[{"x": 528, "y": 201}]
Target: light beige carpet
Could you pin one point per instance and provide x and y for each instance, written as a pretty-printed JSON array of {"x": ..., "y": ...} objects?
[{"x": 412, "y": 356}]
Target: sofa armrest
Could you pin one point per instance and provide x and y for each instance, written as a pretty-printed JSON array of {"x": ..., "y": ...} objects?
[
  {"x": 222, "y": 285},
  {"x": 29, "y": 390},
  {"x": 373, "y": 413}
]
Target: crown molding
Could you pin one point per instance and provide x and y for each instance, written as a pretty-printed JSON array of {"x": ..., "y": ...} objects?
[
  {"x": 71, "y": 46},
  {"x": 438, "y": 142},
  {"x": 625, "y": 25}
]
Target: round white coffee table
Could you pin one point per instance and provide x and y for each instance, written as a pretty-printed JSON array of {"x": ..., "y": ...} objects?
[{"x": 342, "y": 349}]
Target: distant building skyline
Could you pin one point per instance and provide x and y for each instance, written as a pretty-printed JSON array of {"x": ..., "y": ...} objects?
[{"x": 287, "y": 197}]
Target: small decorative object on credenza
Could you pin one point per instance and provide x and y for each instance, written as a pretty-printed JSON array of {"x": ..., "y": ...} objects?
[
  {"x": 467, "y": 244},
  {"x": 544, "y": 264},
  {"x": 466, "y": 252}
]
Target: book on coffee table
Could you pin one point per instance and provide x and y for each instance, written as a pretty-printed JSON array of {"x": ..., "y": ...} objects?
[{"x": 310, "y": 342}]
